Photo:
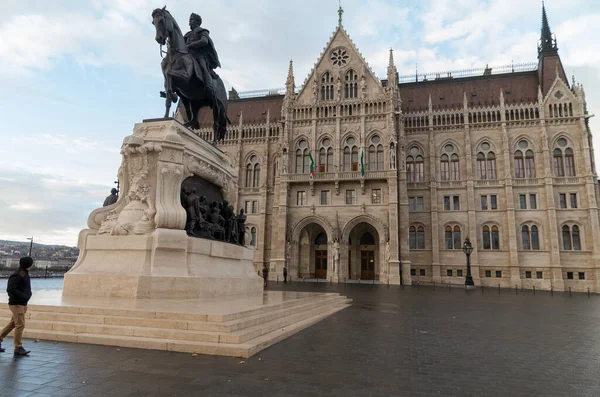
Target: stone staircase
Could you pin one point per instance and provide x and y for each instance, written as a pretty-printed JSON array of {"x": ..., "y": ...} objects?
[{"x": 240, "y": 334}]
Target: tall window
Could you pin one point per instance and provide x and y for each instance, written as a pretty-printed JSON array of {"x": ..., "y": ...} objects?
[
  {"x": 486, "y": 162},
  {"x": 491, "y": 238},
  {"x": 350, "y": 155},
  {"x": 253, "y": 172},
  {"x": 326, "y": 156},
  {"x": 452, "y": 237},
  {"x": 449, "y": 164},
  {"x": 530, "y": 238},
  {"x": 417, "y": 237},
  {"x": 415, "y": 166},
  {"x": 524, "y": 161},
  {"x": 375, "y": 154},
  {"x": 302, "y": 158},
  {"x": 570, "y": 237},
  {"x": 563, "y": 159},
  {"x": 351, "y": 87},
  {"x": 327, "y": 87},
  {"x": 351, "y": 196},
  {"x": 301, "y": 198}
]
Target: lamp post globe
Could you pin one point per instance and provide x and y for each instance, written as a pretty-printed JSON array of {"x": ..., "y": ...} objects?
[{"x": 468, "y": 249}]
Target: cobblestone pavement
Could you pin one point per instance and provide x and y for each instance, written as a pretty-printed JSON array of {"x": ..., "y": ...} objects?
[{"x": 391, "y": 342}]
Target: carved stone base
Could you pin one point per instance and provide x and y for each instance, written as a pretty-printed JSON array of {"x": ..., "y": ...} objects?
[{"x": 164, "y": 264}]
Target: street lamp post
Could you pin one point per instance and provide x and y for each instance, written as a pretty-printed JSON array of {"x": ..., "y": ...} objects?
[
  {"x": 30, "y": 245},
  {"x": 468, "y": 249}
]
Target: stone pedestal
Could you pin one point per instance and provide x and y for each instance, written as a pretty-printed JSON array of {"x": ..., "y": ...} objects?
[{"x": 138, "y": 248}]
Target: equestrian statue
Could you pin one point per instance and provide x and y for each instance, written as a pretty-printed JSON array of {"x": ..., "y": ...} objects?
[{"x": 188, "y": 69}]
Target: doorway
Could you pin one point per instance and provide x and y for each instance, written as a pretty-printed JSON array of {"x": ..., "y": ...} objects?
[
  {"x": 320, "y": 264},
  {"x": 367, "y": 265}
]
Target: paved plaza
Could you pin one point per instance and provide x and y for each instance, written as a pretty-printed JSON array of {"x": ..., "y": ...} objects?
[{"x": 391, "y": 342}]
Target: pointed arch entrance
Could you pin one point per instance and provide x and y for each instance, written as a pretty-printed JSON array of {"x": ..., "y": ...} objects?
[
  {"x": 313, "y": 252},
  {"x": 364, "y": 251}
]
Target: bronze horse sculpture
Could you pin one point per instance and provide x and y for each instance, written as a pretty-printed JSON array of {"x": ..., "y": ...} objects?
[{"x": 183, "y": 77}]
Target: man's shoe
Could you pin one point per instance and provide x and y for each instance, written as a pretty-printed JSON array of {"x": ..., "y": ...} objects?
[
  {"x": 2, "y": 350},
  {"x": 21, "y": 352}
]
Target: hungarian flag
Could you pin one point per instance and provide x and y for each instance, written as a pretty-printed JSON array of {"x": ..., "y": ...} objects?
[{"x": 312, "y": 164}]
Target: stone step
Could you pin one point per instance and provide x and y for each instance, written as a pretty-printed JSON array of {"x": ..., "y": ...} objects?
[
  {"x": 246, "y": 349},
  {"x": 171, "y": 315},
  {"x": 277, "y": 321},
  {"x": 224, "y": 327}
]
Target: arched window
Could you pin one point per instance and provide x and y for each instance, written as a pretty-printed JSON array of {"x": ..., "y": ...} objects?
[
  {"x": 415, "y": 165},
  {"x": 571, "y": 238},
  {"x": 524, "y": 165},
  {"x": 449, "y": 164},
  {"x": 486, "y": 162},
  {"x": 457, "y": 242},
  {"x": 417, "y": 237},
  {"x": 350, "y": 155},
  {"x": 347, "y": 166},
  {"x": 563, "y": 159},
  {"x": 253, "y": 171},
  {"x": 530, "y": 238},
  {"x": 302, "y": 159},
  {"x": 452, "y": 237},
  {"x": 529, "y": 164},
  {"x": 491, "y": 238},
  {"x": 326, "y": 156},
  {"x": 327, "y": 87},
  {"x": 566, "y": 236},
  {"x": 351, "y": 87},
  {"x": 569, "y": 162},
  {"x": 444, "y": 168},
  {"x": 375, "y": 154}
]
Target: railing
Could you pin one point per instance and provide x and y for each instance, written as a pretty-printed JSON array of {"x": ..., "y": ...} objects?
[
  {"x": 375, "y": 174},
  {"x": 528, "y": 181},
  {"x": 263, "y": 92},
  {"x": 569, "y": 180},
  {"x": 488, "y": 182},
  {"x": 417, "y": 185},
  {"x": 332, "y": 176},
  {"x": 450, "y": 184},
  {"x": 249, "y": 190},
  {"x": 486, "y": 71}
]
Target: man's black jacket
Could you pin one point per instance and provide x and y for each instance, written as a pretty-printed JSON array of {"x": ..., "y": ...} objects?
[{"x": 19, "y": 288}]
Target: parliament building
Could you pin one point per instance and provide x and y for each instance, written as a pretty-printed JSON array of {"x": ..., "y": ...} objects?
[{"x": 352, "y": 177}]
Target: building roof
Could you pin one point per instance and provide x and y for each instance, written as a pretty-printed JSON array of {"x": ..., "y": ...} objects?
[{"x": 253, "y": 110}]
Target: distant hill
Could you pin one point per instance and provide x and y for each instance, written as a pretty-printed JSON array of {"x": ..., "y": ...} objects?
[{"x": 14, "y": 249}]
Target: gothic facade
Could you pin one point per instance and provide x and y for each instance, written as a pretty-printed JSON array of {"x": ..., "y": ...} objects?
[{"x": 351, "y": 177}]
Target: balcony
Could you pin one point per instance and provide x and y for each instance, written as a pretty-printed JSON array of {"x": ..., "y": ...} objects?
[
  {"x": 568, "y": 180},
  {"x": 488, "y": 182},
  {"x": 450, "y": 184},
  {"x": 338, "y": 176},
  {"x": 249, "y": 190},
  {"x": 528, "y": 181},
  {"x": 417, "y": 185}
]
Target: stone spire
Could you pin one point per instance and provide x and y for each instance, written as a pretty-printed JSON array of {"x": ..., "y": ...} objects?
[
  {"x": 547, "y": 44},
  {"x": 289, "y": 83},
  {"x": 392, "y": 72},
  {"x": 340, "y": 13}
]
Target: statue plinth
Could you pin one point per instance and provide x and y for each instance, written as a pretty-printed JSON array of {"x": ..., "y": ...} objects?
[{"x": 138, "y": 248}]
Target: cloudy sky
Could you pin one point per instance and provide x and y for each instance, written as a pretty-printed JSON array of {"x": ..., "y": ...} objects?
[{"x": 76, "y": 75}]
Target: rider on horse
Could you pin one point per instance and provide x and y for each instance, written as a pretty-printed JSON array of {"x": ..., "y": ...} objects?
[{"x": 201, "y": 47}]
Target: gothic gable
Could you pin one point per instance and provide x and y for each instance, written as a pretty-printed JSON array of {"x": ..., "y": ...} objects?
[{"x": 339, "y": 64}]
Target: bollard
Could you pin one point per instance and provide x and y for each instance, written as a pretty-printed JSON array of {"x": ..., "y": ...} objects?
[
  {"x": 482, "y": 288},
  {"x": 434, "y": 285},
  {"x": 331, "y": 281},
  {"x": 277, "y": 282},
  {"x": 498, "y": 289},
  {"x": 516, "y": 290},
  {"x": 450, "y": 290},
  {"x": 417, "y": 285},
  {"x": 389, "y": 284},
  {"x": 534, "y": 290},
  {"x": 588, "y": 292},
  {"x": 552, "y": 290},
  {"x": 569, "y": 292}
]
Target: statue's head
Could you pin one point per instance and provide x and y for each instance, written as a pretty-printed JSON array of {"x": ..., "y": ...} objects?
[
  {"x": 195, "y": 21},
  {"x": 160, "y": 22},
  {"x": 242, "y": 211},
  {"x": 113, "y": 191}
]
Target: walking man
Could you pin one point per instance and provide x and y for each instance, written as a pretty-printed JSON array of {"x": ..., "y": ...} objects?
[
  {"x": 265, "y": 274},
  {"x": 19, "y": 293},
  {"x": 285, "y": 275}
]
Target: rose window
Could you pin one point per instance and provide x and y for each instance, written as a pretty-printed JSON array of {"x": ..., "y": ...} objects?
[{"x": 339, "y": 57}]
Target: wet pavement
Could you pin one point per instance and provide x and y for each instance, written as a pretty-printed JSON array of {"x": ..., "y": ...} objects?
[{"x": 391, "y": 342}]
